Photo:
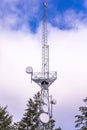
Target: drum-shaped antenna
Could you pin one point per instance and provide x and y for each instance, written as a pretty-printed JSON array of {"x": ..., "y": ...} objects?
[{"x": 29, "y": 70}]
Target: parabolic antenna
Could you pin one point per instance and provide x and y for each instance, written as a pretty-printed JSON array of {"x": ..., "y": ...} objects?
[
  {"x": 44, "y": 117},
  {"x": 29, "y": 70}
]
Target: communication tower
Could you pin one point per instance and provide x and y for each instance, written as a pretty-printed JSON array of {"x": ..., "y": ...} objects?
[{"x": 44, "y": 78}]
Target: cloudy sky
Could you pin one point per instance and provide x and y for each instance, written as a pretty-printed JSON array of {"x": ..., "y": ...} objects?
[{"x": 20, "y": 46}]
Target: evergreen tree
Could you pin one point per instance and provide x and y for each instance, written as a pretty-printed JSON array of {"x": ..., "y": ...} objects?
[
  {"x": 5, "y": 119},
  {"x": 15, "y": 126},
  {"x": 81, "y": 120},
  {"x": 30, "y": 118}
]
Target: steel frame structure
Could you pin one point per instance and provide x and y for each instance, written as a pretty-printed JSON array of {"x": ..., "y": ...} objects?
[{"x": 44, "y": 78}]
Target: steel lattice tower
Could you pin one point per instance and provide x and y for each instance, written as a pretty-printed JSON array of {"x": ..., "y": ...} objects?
[{"x": 44, "y": 78}]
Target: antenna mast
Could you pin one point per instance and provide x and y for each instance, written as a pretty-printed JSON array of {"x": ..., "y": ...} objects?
[
  {"x": 44, "y": 79},
  {"x": 45, "y": 46}
]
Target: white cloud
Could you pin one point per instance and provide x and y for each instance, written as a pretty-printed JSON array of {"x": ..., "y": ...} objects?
[
  {"x": 17, "y": 13},
  {"x": 68, "y": 54},
  {"x": 17, "y": 51},
  {"x": 71, "y": 19}
]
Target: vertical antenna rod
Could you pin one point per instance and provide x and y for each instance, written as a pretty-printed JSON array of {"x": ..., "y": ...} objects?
[{"x": 45, "y": 46}]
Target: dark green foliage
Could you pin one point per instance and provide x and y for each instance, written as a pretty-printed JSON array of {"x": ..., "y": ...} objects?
[
  {"x": 30, "y": 118},
  {"x": 81, "y": 120},
  {"x": 5, "y": 119}
]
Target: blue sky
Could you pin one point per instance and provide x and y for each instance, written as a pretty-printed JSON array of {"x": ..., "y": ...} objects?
[
  {"x": 20, "y": 46},
  {"x": 61, "y": 13}
]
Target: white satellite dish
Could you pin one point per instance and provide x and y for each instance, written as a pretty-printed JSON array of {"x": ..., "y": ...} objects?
[
  {"x": 44, "y": 117},
  {"x": 29, "y": 70}
]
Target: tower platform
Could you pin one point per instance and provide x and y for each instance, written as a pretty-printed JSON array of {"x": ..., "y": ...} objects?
[{"x": 40, "y": 79}]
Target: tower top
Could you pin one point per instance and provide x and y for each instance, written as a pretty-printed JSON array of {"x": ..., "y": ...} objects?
[
  {"x": 45, "y": 4},
  {"x": 44, "y": 78}
]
